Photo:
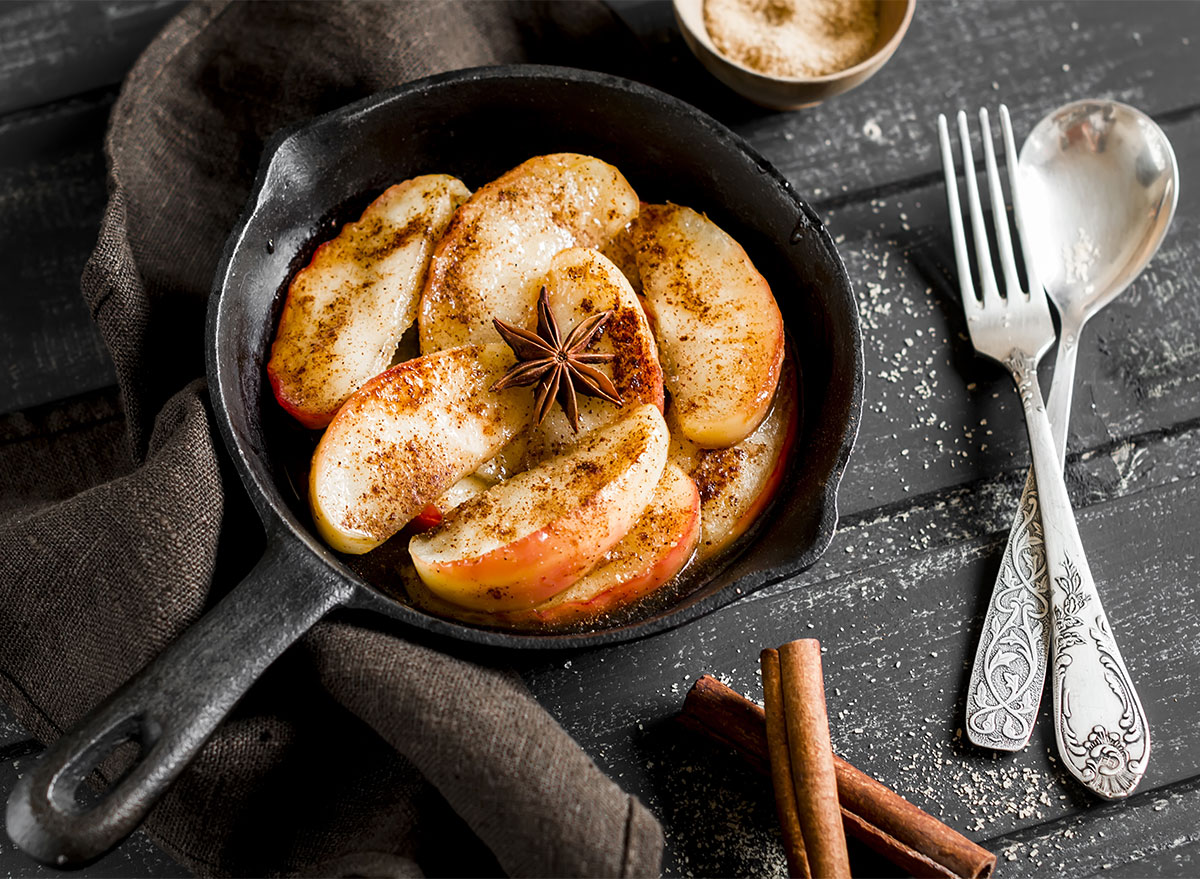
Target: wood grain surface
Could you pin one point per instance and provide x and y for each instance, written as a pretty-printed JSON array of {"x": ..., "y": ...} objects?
[
  {"x": 898, "y": 599},
  {"x": 55, "y": 50}
]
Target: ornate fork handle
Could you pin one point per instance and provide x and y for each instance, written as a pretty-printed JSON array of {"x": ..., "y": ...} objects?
[
  {"x": 1101, "y": 728},
  {"x": 1010, "y": 662}
]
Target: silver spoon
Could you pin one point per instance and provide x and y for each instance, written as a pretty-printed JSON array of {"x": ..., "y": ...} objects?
[{"x": 1101, "y": 184}]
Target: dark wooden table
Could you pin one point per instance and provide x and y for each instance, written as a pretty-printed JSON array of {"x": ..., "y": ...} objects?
[{"x": 898, "y": 599}]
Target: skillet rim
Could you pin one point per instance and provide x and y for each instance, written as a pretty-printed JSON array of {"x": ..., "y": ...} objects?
[{"x": 281, "y": 524}]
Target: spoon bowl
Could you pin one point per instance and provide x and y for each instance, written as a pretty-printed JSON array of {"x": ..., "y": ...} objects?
[{"x": 1101, "y": 185}]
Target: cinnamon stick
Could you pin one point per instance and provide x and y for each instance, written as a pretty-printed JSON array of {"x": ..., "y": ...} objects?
[
  {"x": 871, "y": 812},
  {"x": 813, "y": 776},
  {"x": 781, "y": 769}
]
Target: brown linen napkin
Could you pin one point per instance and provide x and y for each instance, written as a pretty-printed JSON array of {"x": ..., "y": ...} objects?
[{"x": 359, "y": 753}]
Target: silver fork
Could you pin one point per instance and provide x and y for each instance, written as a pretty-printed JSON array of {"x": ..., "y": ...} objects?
[{"x": 1099, "y": 724}]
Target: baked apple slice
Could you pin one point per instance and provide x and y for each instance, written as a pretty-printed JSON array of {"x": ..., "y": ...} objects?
[
  {"x": 406, "y": 437},
  {"x": 656, "y": 548},
  {"x": 581, "y": 283},
  {"x": 491, "y": 261},
  {"x": 509, "y": 461},
  {"x": 619, "y": 248},
  {"x": 717, "y": 323},
  {"x": 527, "y": 539},
  {"x": 347, "y": 309},
  {"x": 736, "y": 483}
]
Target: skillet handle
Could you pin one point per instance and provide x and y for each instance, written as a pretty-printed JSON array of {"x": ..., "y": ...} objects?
[{"x": 169, "y": 709}]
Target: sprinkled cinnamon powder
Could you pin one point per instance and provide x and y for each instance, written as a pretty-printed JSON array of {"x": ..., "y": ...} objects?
[{"x": 793, "y": 37}]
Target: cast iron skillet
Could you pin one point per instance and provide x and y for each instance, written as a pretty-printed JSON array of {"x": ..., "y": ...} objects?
[{"x": 474, "y": 124}]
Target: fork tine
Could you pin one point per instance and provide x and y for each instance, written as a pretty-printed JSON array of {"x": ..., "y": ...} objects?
[
  {"x": 1008, "y": 262},
  {"x": 970, "y": 301},
  {"x": 983, "y": 256},
  {"x": 1035, "y": 288}
]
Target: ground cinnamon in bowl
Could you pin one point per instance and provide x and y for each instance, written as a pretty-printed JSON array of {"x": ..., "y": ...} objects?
[{"x": 793, "y": 38}]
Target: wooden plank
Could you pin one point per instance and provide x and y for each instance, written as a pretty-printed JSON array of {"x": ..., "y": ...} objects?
[
  {"x": 983, "y": 510},
  {"x": 52, "y": 180},
  {"x": 899, "y": 637},
  {"x": 1151, "y": 834},
  {"x": 1183, "y": 860},
  {"x": 52, "y": 196},
  {"x": 50, "y": 51},
  {"x": 956, "y": 55}
]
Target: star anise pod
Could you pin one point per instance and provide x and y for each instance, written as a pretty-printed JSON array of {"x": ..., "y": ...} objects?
[{"x": 560, "y": 367}]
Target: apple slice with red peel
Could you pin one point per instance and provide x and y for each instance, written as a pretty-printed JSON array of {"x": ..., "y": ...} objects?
[
  {"x": 524, "y": 540},
  {"x": 656, "y": 549},
  {"x": 407, "y": 436},
  {"x": 491, "y": 261},
  {"x": 718, "y": 326},
  {"x": 347, "y": 309},
  {"x": 738, "y": 482},
  {"x": 581, "y": 283}
]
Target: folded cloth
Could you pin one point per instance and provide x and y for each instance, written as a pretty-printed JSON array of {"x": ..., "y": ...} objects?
[{"x": 359, "y": 752}]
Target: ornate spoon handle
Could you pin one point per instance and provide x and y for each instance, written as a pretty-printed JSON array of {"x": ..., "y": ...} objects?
[
  {"x": 1103, "y": 737},
  {"x": 1010, "y": 661}
]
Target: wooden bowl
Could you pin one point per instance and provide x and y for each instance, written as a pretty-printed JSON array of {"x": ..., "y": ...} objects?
[{"x": 792, "y": 92}]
